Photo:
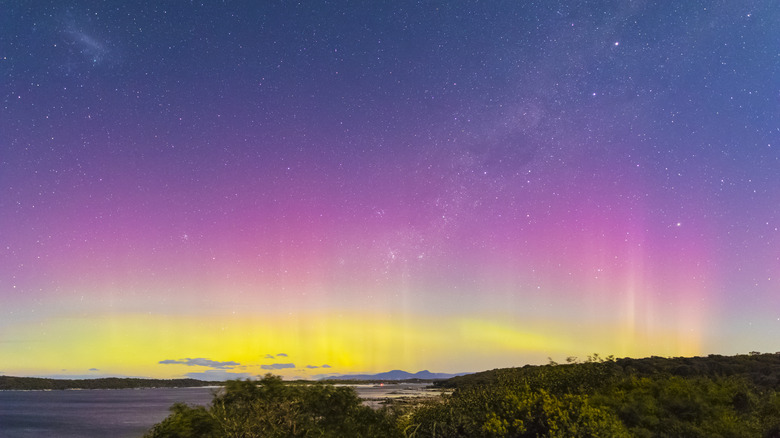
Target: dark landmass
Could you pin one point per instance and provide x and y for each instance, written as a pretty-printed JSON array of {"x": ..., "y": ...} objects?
[
  {"x": 395, "y": 375},
  {"x": 36, "y": 383},
  {"x": 762, "y": 370},
  {"x": 713, "y": 396}
]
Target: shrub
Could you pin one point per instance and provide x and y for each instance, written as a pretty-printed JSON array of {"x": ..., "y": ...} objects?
[{"x": 271, "y": 408}]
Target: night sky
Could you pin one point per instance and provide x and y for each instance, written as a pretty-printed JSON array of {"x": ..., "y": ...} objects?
[{"x": 223, "y": 189}]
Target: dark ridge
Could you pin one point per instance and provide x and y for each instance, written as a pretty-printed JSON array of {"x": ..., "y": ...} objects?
[
  {"x": 763, "y": 370},
  {"x": 36, "y": 383}
]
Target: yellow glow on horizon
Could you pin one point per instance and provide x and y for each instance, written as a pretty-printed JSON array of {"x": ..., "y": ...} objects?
[
  {"x": 492, "y": 335},
  {"x": 133, "y": 345}
]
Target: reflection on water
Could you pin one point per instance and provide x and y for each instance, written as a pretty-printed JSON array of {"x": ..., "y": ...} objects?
[
  {"x": 375, "y": 394},
  {"x": 116, "y": 413},
  {"x": 125, "y": 413}
]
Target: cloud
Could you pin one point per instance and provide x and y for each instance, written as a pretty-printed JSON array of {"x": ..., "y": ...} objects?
[
  {"x": 218, "y": 375},
  {"x": 201, "y": 362},
  {"x": 94, "y": 369},
  {"x": 326, "y": 366},
  {"x": 277, "y": 366},
  {"x": 281, "y": 355},
  {"x": 269, "y": 356},
  {"x": 311, "y": 366}
]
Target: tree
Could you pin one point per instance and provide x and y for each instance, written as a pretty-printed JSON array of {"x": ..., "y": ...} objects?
[
  {"x": 272, "y": 408},
  {"x": 186, "y": 422}
]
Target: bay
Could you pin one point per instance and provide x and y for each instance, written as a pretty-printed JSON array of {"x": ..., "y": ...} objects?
[
  {"x": 116, "y": 413},
  {"x": 127, "y": 413}
]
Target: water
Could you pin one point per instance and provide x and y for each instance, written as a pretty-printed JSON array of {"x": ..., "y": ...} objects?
[
  {"x": 115, "y": 413},
  {"x": 125, "y": 413},
  {"x": 375, "y": 394}
]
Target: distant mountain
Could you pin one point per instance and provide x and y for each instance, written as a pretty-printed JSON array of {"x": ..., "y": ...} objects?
[{"x": 397, "y": 375}]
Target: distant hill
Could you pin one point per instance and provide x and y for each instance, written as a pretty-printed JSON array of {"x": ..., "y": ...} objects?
[
  {"x": 35, "y": 383},
  {"x": 397, "y": 375},
  {"x": 763, "y": 370}
]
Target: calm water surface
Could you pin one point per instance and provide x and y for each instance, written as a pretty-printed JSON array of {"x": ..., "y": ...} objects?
[
  {"x": 123, "y": 413},
  {"x": 115, "y": 413}
]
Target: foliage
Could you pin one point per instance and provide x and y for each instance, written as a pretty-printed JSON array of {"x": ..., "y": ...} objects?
[
  {"x": 714, "y": 396},
  {"x": 186, "y": 421},
  {"x": 690, "y": 407},
  {"x": 271, "y": 408},
  {"x": 517, "y": 412},
  {"x": 763, "y": 370},
  {"x": 548, "y": 401},
  {"x": 654, "y": 397}
]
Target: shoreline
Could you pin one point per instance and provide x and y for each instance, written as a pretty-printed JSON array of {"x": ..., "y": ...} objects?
[{"x": 111, "y": 389}]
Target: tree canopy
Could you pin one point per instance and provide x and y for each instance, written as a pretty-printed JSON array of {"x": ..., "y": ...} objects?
[{"x": 716, "y": 396}]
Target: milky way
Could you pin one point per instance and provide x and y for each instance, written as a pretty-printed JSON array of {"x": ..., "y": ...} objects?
[{"x": 217, "y": 190}]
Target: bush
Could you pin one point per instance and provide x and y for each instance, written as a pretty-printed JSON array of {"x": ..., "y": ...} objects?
[
  {"x": 271, "y": 408},
  {"x": 507, "y": 411},
  {"x": 655, "y": 397}
]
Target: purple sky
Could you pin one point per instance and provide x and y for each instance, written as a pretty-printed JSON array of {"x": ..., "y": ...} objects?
[{"x": 190, "y": 188}]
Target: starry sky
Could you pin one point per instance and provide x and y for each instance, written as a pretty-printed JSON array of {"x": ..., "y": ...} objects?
[{"x": 223, "y": 189}]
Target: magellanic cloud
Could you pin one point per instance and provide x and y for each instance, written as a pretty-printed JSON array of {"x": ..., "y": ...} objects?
[{"x": 486, "y": 216}]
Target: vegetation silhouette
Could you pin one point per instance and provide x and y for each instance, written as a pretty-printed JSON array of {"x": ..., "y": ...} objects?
[
  {"x": 714, "y": 396},
  {"x": 272, "y": 408},
  {"x": 37, "y": 383}
]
